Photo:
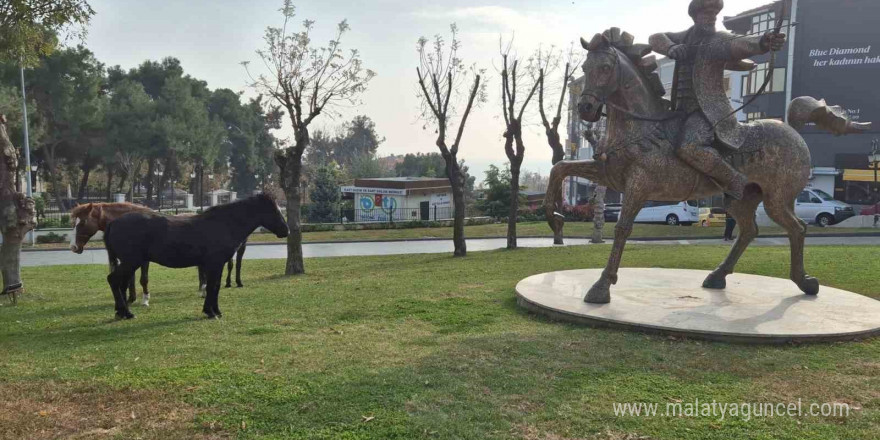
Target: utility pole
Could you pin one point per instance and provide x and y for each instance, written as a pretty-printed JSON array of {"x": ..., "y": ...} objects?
[{"x": 27, "y": 148}]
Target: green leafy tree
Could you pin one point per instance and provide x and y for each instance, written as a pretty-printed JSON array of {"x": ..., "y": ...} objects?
[
  {"x": 497, "y": 191},
  {"x": 325, "y": 196},
  {"x": 187, "y": 128},
  {"x": 29, "y": 28},
  {"x": 131, "y": 125},
  {"x": 67, "y": 87}
]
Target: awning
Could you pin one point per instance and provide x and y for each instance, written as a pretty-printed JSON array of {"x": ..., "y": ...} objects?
[{"x": 859, "y": 175}]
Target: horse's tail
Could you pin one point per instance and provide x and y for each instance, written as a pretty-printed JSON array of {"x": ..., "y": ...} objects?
[{"x": 806, "y": 109}]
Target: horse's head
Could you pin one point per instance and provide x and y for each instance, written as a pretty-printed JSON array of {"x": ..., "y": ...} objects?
[
  {"x": 271, "y": 217},
  {"x": 86, "y": 220},
  {"x": 601, "y": 76},
  {"x": 613, "y": 64}
]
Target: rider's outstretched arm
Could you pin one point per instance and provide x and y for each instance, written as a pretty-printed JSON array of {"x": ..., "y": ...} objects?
[{"x": 662, "y": 42}]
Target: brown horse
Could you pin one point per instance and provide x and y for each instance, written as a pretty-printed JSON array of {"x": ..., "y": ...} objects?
[{"x": 93, "y": 217}]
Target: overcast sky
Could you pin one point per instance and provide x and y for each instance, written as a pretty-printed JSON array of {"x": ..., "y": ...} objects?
[{"x": 211, "y": 38}]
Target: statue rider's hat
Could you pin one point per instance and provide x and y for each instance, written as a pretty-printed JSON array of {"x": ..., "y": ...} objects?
[{"x": 699, "y": 5}]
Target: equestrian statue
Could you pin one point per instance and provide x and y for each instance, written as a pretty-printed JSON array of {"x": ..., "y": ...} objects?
[{"x": 692, "y": 146}]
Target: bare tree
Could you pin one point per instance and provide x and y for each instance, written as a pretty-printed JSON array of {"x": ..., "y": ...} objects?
[
  {"x": 441, "y": 77},
  {"x": 17, "y": 215},
  {"x": 545, "y": 65},
  {"x": 308, "y": 81},
  {"x": 511, "y": 80},
  {"x": 594, "y": 136}
]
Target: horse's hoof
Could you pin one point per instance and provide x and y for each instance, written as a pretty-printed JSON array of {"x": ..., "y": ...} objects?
[
  {"x": 809, "y": 285},
  {"x": 145, "y": 304},
  {"x": 239, "y": 285},
  {"x": 124, "y": 315},
  {"x": 600, "y": 293},
  {"x": 228, "y": 285},
  {"x": 715, "y": 281}
]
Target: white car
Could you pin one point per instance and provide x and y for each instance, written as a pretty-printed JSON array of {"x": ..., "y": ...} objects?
[
  {"x": 671, "y": 213},
  {"x": 816, "y": 206}
]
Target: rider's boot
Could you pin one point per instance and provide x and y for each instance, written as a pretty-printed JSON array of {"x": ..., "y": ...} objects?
[{"x": 708, "y": 161}]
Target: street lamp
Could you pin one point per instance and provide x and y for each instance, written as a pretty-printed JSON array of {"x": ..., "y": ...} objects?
[{"x": 158, "y": 174}]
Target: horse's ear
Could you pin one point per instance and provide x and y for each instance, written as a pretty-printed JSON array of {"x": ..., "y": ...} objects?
[
  {"x": 598, "y": 41},
  {"x": 585, "y": 44}
]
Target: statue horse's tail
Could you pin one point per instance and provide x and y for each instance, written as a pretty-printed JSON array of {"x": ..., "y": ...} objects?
[
  {"x": 806, "y": 109},
  {"x": 553, "y": 202}
]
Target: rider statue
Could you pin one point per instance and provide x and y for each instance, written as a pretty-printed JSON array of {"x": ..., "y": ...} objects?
[{"x": 701, "y": 55}]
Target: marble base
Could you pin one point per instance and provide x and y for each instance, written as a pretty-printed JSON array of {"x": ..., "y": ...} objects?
[{"x": 752, "y": 309}]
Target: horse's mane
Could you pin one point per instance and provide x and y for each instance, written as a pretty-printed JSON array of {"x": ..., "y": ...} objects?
[
  {"x": 637, "y": 53},
  {"x": 225, "y": 210}
]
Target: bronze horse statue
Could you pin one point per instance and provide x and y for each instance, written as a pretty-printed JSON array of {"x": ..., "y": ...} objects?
[{"x": 638, "y": 159}]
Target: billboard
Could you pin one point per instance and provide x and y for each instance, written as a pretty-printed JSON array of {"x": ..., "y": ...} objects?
[{"x": 837, "y": 56}]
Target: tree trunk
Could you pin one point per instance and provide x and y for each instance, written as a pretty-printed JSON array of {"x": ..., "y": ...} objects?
[
  {"x": 122, "y": 179},
  {"x": 457, "y": 181},
  {"x": 151, "y": 166},
  {"x": 514, "y": 205},
  {"x": 110, "y": 183},
  {"x": 598, "y": 214},
  {"x": 83, "y": 183},
  {"x": 290, "y": 164},
  {"x": 17, "y": 216}
]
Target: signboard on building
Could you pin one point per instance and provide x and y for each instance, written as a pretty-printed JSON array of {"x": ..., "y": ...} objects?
[
  {"x": 837, "y": 56},
  {"x": 364, "y": 190}
]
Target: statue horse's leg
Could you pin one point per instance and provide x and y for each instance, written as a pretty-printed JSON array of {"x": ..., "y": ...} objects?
[
  {"x": 600, "y": 293},
  {"x": 743, "y": 211},
  {"x": 780, "y": 209}
]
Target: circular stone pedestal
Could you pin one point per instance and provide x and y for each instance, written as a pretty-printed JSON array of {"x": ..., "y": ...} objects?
[{"x": 753, "y": 309}]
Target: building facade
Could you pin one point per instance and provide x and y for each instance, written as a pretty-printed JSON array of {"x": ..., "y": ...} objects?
[
  {"x": 833, "y": 53},
  {"x": 399, "y": 199}
]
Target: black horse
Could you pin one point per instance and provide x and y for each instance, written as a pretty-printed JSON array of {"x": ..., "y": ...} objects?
[{"x": 206, "y": 241}]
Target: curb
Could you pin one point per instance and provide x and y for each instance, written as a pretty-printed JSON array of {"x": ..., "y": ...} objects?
[{"x": 608, "y": 239}]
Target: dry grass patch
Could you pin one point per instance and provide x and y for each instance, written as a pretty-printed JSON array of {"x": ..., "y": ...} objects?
[{"x": 52, "y": 410}]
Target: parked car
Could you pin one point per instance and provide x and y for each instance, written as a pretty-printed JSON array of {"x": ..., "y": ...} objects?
[
  {"x": 671, "y": 213},
  {"x": 816, "y": 206},
  {"x": 712, "y": 217},
  {"x": 612, "y": 212}
]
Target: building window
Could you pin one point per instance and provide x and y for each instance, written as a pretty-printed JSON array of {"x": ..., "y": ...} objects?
[
  {"x": 753, "y": 81},
  {"x": 754, "y": 116},
  {"x": 762, "y": 23}
]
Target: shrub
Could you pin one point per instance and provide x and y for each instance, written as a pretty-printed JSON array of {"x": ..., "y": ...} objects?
[{"x": 52, "y": 238}]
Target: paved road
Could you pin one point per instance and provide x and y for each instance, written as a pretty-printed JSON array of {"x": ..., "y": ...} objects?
[{"x": 311, "y": 250}]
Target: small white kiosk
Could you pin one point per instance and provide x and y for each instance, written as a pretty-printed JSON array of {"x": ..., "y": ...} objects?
[{"x": 400, "y": 199}]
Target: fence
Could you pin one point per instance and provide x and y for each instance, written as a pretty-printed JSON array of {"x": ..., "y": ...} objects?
[{"x": 346, "y": 214}]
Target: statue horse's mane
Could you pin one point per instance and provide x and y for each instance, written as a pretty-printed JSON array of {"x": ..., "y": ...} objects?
[{"x": 639, "y": 54}]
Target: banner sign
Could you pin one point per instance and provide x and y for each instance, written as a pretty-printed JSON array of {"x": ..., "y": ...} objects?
[{"x": 364, "y": 190}]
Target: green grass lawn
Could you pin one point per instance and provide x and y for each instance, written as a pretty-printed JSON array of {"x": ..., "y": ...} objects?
[{"x": 407, "y": 347}]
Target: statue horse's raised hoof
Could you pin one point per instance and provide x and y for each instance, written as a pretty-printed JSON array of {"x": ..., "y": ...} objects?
[
  {"x": 600, "y": 293},
  {"x": 809, "y": 285}
]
